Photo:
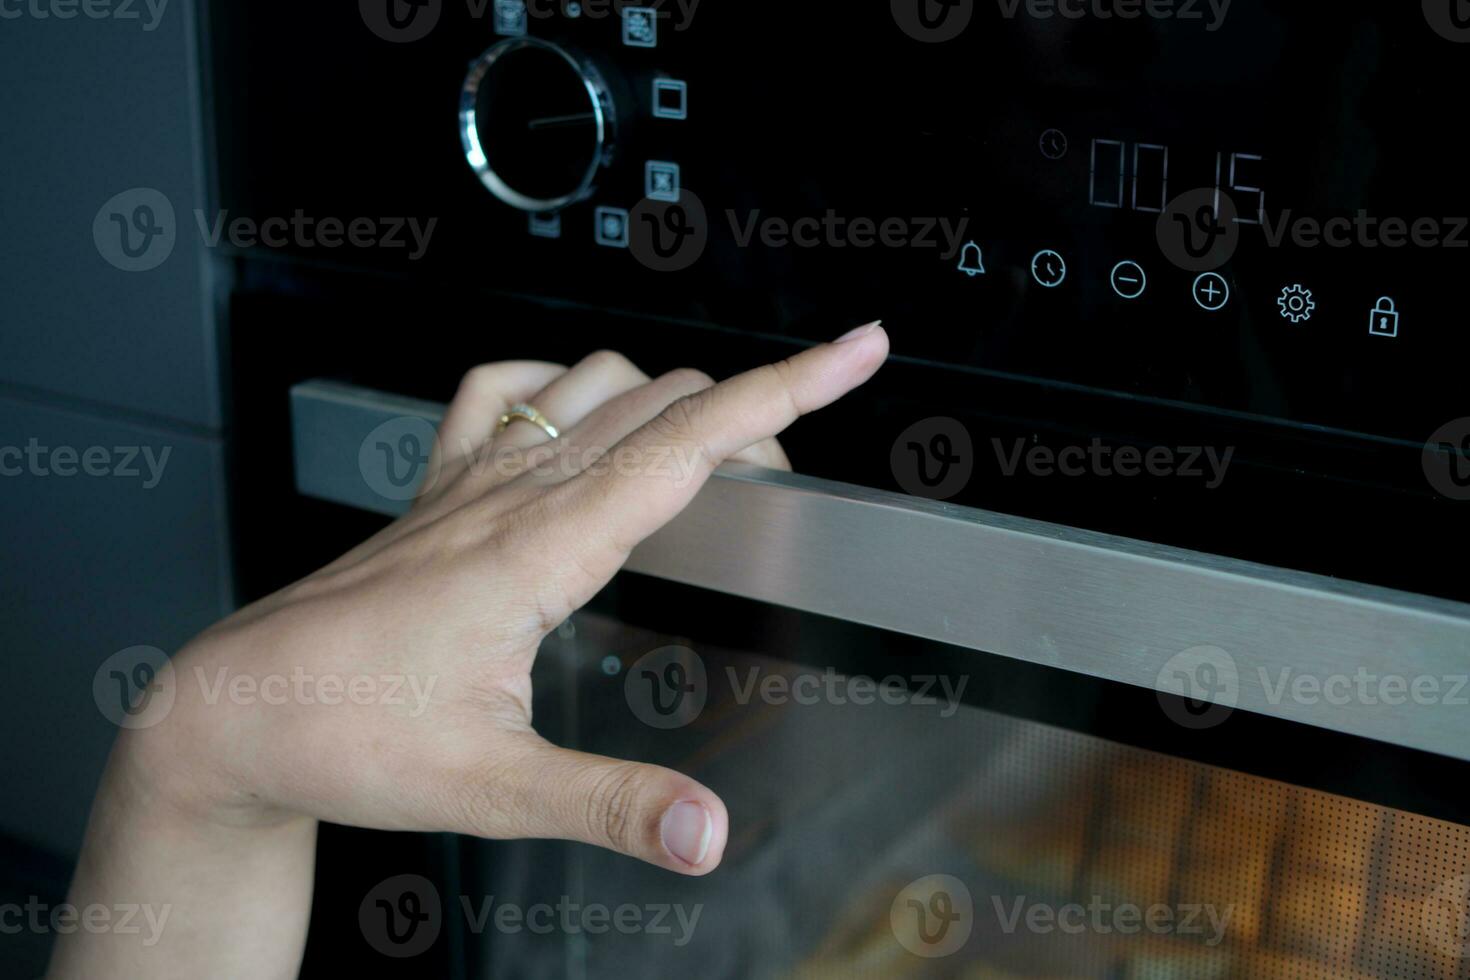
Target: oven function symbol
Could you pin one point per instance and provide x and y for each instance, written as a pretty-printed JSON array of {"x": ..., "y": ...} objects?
[
  {"x": 612, "y": 227},
  {"x": 640, "y": 27},
  {"x": 1297, "y": 304},
  {"x": 1384, "y": 320},
  {"x": 1053, "y": 144},
  {"x": 510, "y": 18},
  {"x": 1048, "y": 268},
  {"x": 543, "y": 225},
  {"x": 1211, "y": 291},
  {"x": 1129, "y": 280},
  {"x": 661, "y": 181},
  {"x": 972, "y": 260},
  {"x": 670, "y": 98}
]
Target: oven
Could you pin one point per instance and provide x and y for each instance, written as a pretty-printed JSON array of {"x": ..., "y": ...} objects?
[{"x": 1117, "y": 629}]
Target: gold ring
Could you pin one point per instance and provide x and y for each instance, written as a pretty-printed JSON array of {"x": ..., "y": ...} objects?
[{"x": 528, "y": 413}]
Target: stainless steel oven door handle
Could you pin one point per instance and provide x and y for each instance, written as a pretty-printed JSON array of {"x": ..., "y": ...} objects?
[{"x": 1338, "y": 655}]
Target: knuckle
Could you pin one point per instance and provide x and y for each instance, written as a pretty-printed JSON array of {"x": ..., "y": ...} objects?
[
  {"x": 689, "y": 379},
  {"x": 670, "y": 427},
  {"x": 452, "y": 783},
  {"x": 614, "y": 810},
  {"x": 608, "y": 360},
  {"x": 785, "y": 372},
  {"x": 521, "y": 527},
  {"x": 478, "y": 381},
  {"x": 679, "y": 418},
  {"x": 680, "y": 424}
]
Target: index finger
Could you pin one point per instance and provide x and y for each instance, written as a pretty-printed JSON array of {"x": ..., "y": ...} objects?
[{"x": 705, "y": 429}]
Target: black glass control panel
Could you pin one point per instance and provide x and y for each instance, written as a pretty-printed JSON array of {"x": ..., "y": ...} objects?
[
  {"x": 1256, "y": 206},
  {"x": 1234, "y": 231}
]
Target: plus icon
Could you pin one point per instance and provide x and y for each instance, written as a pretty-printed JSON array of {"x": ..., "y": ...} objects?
[{"x": 1211, "y": 291}]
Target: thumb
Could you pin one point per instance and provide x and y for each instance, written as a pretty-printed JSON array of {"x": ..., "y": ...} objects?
[{"x": 644, "y": 811}]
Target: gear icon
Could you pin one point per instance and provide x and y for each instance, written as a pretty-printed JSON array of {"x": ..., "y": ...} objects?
[{"x": 1297, "y": 304}]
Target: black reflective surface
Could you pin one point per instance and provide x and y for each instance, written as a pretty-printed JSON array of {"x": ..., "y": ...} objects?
[{"x": 842, "y": 165}]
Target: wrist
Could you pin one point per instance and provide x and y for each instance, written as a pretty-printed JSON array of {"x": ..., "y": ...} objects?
[{"x": 192, "y": 763}]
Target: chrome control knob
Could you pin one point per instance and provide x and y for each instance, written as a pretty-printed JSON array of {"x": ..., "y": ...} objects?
[{"x": 537, "y": 124}]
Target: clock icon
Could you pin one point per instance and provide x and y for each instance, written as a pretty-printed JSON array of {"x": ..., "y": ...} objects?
[
  {"x": 1053, "y": 144},
  {"x": 1049, "y": 268}
]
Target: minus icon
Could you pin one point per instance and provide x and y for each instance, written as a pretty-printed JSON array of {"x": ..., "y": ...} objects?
[{"x": 1129, "y": 280}]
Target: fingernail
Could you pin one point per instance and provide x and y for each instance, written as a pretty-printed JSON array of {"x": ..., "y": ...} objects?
[
  {"x": 686, "y": 831},
  {"x": 862, "y": 331}
]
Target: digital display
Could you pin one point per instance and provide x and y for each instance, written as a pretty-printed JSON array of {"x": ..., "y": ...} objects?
[{"x": 1135, "y": 176}]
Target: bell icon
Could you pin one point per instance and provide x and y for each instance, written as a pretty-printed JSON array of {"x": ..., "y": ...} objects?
[{"x": 972, "y": 263}]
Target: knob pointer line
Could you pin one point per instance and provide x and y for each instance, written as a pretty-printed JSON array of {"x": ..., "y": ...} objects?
[{"x": 549, "y": 122}]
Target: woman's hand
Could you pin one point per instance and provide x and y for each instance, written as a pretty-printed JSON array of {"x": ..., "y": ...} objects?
[{"x": 213, "y": 810}]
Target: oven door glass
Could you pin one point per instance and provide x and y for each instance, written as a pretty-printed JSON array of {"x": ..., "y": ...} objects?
[{"x": 896, "y": 811}]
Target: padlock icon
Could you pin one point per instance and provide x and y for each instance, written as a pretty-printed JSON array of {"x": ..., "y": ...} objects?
[{"x": 1384, "y": 320}]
